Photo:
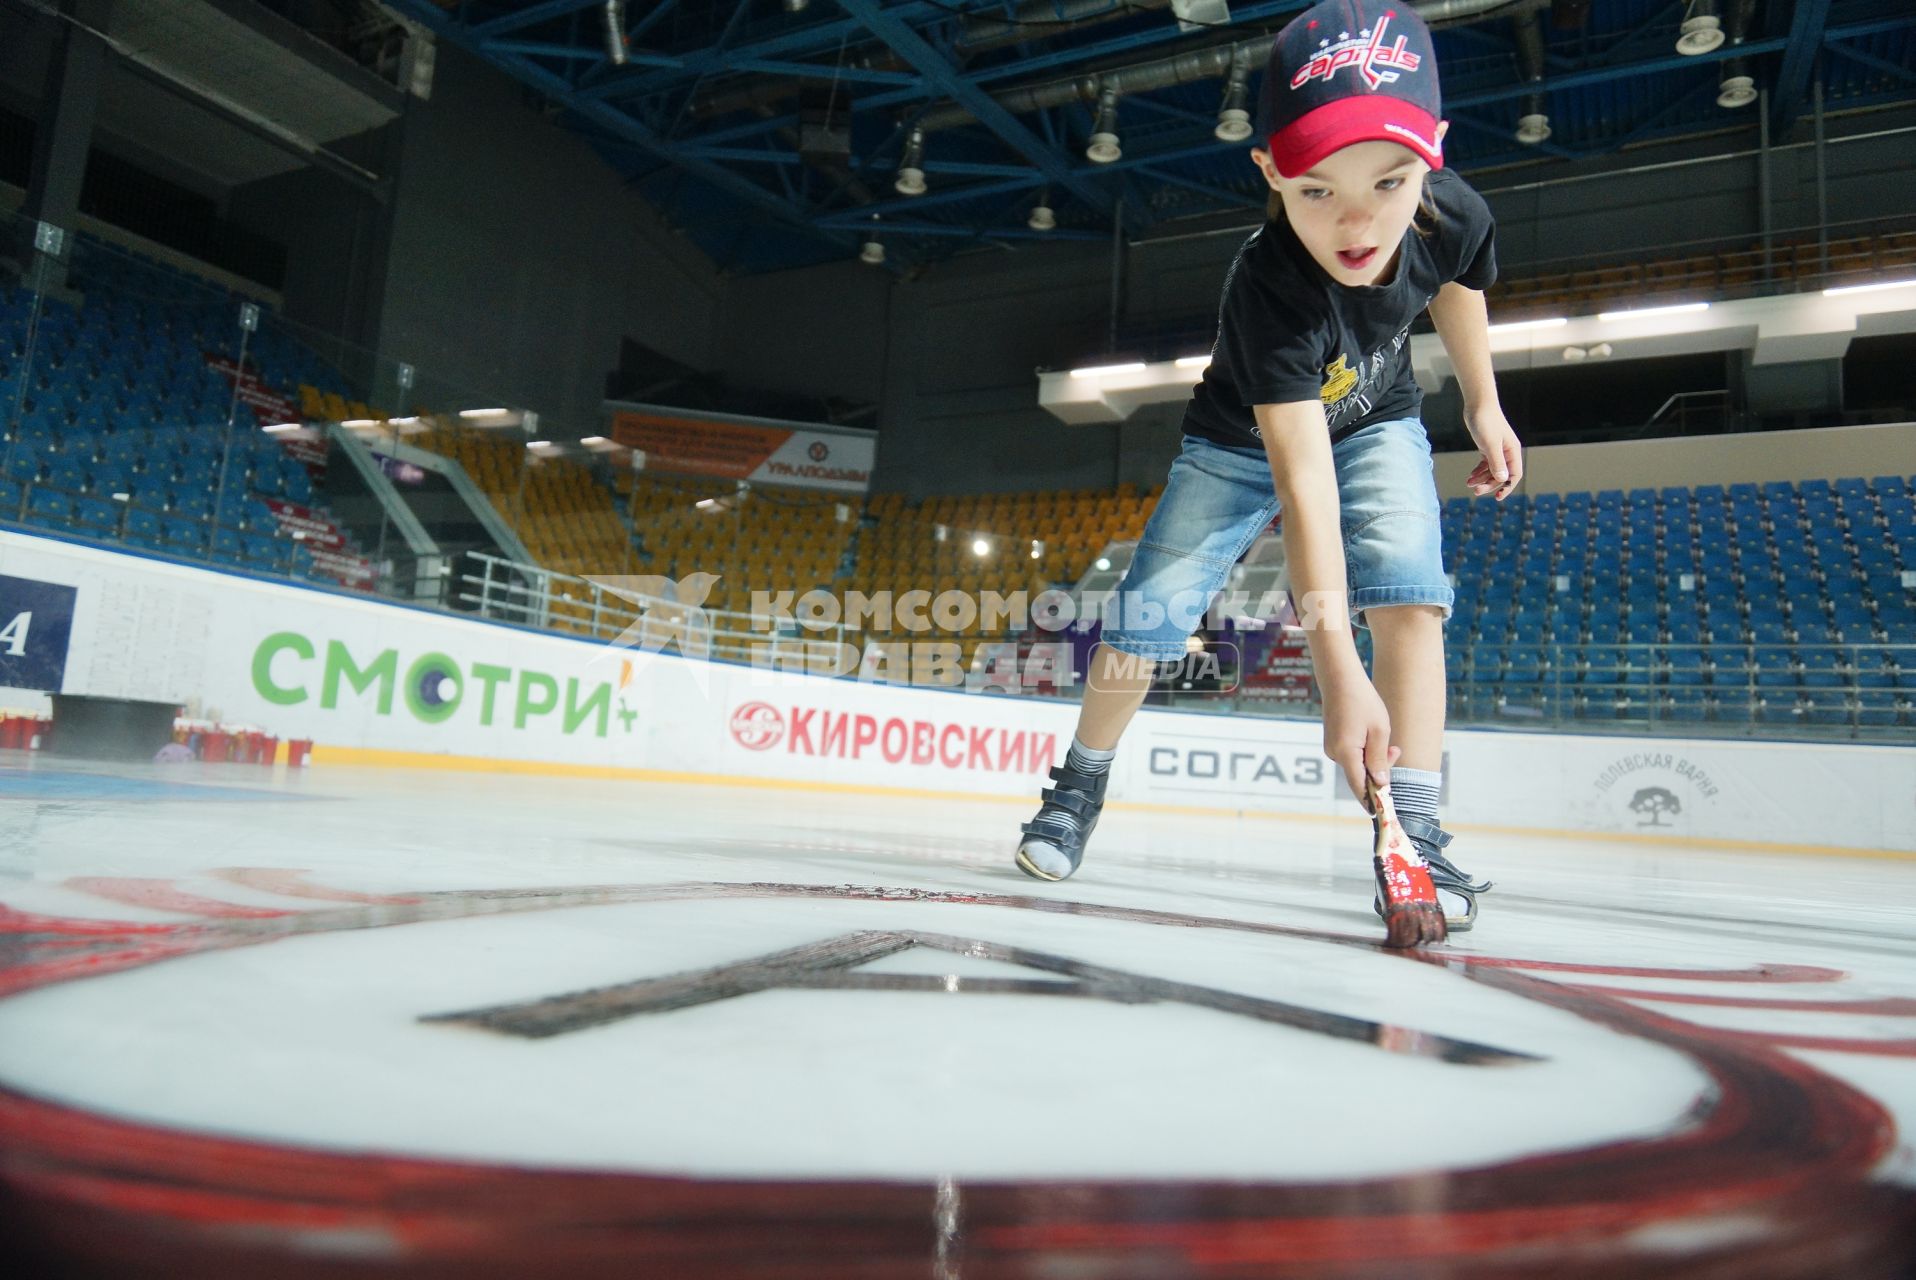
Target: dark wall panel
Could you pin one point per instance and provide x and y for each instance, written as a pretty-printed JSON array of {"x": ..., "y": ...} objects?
[{"x": 518, "y": 260}]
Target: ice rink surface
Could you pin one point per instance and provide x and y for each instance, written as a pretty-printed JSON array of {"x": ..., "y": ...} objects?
[{"x": 349, "y": 1021}]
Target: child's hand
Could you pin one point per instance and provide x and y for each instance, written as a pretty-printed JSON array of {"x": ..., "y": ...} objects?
[
  {"x": 1501, "y": 466},
  {"x": 1357, "y": 734}
]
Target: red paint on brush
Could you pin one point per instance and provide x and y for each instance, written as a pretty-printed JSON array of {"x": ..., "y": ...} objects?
[{"x": 1412, "y": 916}]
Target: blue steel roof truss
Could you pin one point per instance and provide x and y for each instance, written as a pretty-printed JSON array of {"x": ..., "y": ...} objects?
[{"x": 702, "y": 116}]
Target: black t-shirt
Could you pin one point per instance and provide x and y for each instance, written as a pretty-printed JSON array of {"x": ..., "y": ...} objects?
[{"x": 1287, "y": 332}]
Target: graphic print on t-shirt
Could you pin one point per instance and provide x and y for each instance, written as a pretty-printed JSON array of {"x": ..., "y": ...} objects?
[
  {"x": 1349, "y": 391},
  {"x": 1339, "y": 381}
]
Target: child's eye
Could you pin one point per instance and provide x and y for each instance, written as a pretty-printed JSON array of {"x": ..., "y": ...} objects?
[
  {"x": 1390, "y": 184},
  {"x": 1316, "y": 193}
]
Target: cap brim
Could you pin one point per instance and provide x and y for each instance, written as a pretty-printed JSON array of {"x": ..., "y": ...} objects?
[{"x": 1372, "y": 117}]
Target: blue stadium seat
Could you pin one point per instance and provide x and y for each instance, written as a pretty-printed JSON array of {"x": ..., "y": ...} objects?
[
  {"x": 1876, "y": 707},
  {"x": 1826, "y": 706},
  {"x": 49, "y": 508},
  {"x": 1820, "y": 668},
  {"x": 1774, "y": 668},
  {"x": 1686, "y": 705},
  {"x": 1685, "y": 666},
  {"x": 1778, "y": 709},
  {"x": 98, "y": 515},
  {"x": 184, "y": 534},
  {"x": 1602, "y": 667},
  {"x": 1600, "y": 704},
  {"x": 143, "y": 522}
]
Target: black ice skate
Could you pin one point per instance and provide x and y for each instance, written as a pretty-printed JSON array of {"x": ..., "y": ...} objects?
[
  {"x": 1054, "y": 840},
  {"x": 1456, "y": 891}
]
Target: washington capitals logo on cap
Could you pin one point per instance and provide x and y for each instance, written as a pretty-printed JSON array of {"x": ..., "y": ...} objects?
[
  {"x": 1376, "y": 61},
  {"x": 1307, "y": 110}
]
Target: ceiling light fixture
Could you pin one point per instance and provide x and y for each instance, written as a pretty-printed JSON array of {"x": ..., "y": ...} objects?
[
  {"x": 1533, "y": 126},
  {"x": 1103, "y": 147},
  {"x": 1735, "y": 90},
  {"x": 911, "y": 171},
  {"x": 1233, "y": 119},
  {"x": 1702, "y": 31},
  {"x": 1644, "y": 313},
  {"x": 1518, "y": 326},
  {"x": 615, "y": 31},
  {"x": 1880, "y": 285}
]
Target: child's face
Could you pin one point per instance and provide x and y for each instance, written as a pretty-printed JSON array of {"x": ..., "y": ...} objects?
[{"x": 1351, "y": 209}]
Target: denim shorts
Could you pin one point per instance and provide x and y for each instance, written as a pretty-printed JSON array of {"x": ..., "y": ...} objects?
[{"x": 1218, "y": 499}]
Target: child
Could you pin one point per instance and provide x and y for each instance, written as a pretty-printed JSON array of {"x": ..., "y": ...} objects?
[{"x": 1309, "y": 406}]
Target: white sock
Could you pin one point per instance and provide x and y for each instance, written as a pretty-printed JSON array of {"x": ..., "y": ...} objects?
[
  {"x": 1414, "y": 792},
  {"x": 1089, "y": 761}
]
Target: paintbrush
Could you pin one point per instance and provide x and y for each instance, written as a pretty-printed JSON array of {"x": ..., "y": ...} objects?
[{"x": 1412, "y": 914}]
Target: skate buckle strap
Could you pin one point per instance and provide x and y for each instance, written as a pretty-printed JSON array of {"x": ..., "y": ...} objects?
[
  {"x": 1091, "y": 783},
  {"x": 1076, "y": 802},
  {"x": 1424, "y": 831},
  {"x": 1431, "y": 840}
]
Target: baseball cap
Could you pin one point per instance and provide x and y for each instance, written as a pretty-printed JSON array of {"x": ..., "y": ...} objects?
[{"x": 1345, "y": 72}]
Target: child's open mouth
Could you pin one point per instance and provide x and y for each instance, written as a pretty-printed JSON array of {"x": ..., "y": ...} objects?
[{"x": 1356, "y": 259}]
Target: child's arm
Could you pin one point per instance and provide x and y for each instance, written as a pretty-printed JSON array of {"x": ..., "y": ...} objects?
[
  {"x": 1356, "y": 725},
  {"x": 1464, "y": 327}
]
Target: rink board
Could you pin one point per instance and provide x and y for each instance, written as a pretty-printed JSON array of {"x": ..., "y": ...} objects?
[{"x": 372, "y": 681}]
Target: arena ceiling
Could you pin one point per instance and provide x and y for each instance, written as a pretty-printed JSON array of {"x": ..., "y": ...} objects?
[{"x": 775, "y": 133}]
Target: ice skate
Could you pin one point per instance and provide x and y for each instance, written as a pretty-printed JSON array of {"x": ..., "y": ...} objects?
[
  {"x": 1456, "y": 892},
  {"x": 1053, "y": 841}
]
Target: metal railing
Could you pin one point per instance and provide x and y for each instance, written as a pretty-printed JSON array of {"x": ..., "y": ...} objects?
[
  {"x": 1862, "y": 692},
  {"x": 1849, "y": 690},
  {"x": 1853, "y": 691},
  {"x": 641, "y": 612}
]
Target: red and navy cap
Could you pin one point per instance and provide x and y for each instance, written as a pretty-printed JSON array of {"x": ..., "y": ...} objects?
[{"x": 1350, "y": 71}]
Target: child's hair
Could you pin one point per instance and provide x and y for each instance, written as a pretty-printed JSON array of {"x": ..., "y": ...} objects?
[{"x": 1425, "y": 221}]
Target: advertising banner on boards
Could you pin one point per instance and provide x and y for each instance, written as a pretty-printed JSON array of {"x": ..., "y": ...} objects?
[
  {"x": 763, "y": 453},
  {"x": 351, "y": 672}
]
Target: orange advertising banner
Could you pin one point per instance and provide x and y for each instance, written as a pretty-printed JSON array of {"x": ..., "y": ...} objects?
[
  {"x": 760, "y": 452},
  {"x": 698, "y": 446}
]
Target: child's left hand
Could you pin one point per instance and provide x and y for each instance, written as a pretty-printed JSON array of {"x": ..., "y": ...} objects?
[{"x": 1501, "y": 467}]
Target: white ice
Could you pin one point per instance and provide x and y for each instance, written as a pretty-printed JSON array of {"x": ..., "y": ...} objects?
[{"x": 317, "y": 1039}]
